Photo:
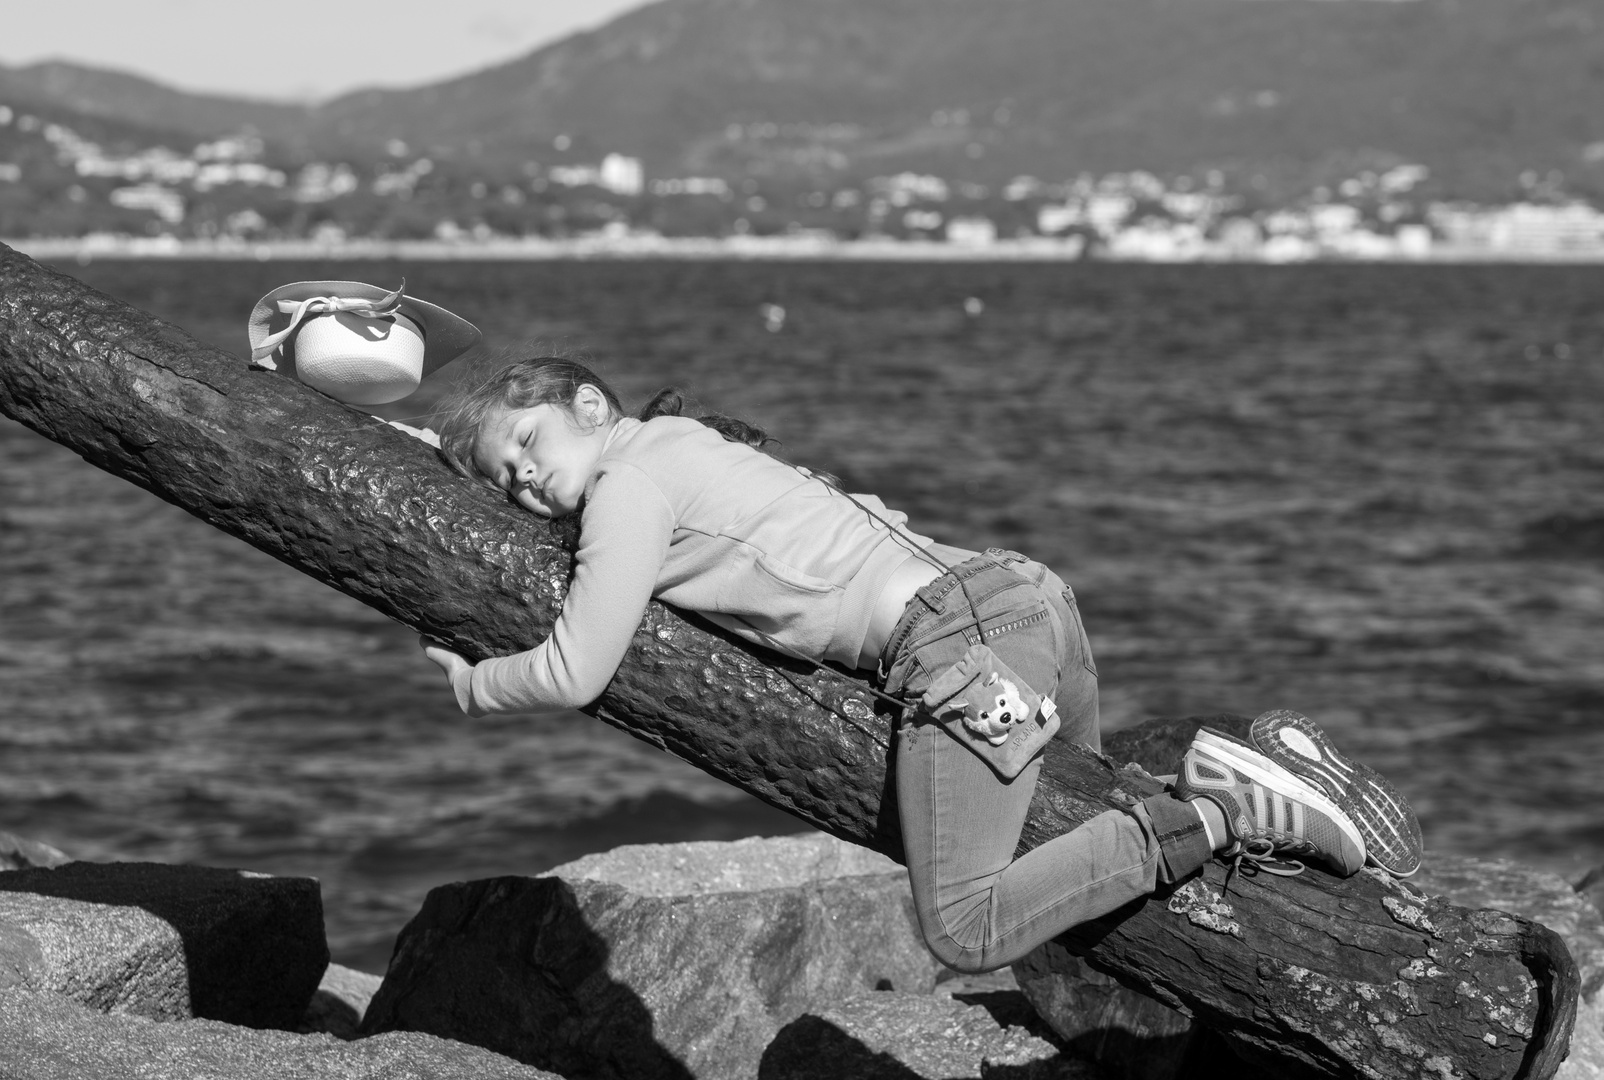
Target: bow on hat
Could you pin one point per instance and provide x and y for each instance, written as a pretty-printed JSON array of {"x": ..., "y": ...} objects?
[{"x": 299, "y": 310}]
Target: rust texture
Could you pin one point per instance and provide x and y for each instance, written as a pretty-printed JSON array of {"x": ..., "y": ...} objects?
[{"x": 1322, "y": 976}]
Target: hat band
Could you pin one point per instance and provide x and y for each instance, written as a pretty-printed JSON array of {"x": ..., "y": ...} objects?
[{"x": 300, "y": 310}]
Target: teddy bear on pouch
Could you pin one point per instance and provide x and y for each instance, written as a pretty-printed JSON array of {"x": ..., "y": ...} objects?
[{"x": 1006, "y": 708}]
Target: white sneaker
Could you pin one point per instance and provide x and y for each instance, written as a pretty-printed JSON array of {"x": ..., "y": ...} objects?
[{"x": 1267, "y": 809}]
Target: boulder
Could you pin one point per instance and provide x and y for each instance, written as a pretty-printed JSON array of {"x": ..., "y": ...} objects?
[
  {"x": 340, "y": 1002},
  {"x": 655, "y": 961},
  {"x": 897, "y": 1036},
  {"x": 1586, "y": 1059},
  {"x": 165, "y": 942},
  {"x": 1591, "y": 886},
  {"x": 999, "y": 992},
  {"x": 699, "y": 868},
  {"x": 1131, "y": 1035},
  {"x": 48, "y": 1037}
]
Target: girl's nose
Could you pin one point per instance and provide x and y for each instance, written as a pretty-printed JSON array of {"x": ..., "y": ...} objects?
[{"x": 526, "y": 472}]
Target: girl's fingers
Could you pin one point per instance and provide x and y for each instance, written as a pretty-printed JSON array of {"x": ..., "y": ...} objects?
[{"x": 447, "y": 660}]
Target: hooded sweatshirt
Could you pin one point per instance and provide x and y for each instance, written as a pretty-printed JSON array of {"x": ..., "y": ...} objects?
[{"x": 677, "y": 512}]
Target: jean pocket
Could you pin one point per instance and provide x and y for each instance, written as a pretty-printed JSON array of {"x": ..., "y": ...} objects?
[
  {"x": 1026, "y": 638},
  {"x": 914, "y": 670},
  {"x": 1019, "y": 620}
]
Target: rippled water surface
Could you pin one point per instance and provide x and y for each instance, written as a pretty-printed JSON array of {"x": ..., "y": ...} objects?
[{"x": 1368, "y": 493}]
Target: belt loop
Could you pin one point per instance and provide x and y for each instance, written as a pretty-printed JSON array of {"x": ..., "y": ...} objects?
[{"x": 1005, "y": 557}]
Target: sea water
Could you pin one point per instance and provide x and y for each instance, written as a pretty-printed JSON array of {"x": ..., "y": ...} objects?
[{"x": 1368, "y": 493}]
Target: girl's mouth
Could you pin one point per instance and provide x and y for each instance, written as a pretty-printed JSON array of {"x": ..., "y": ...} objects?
[{"x": 536, "y": 492}]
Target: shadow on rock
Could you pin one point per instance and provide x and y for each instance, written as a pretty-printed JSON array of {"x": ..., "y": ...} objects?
[
  {"x": 812, "y": 1048},
  {"x": 252, "y": 945},
  {"x": 656, "y": 960},
  {"x": 509, "y": 964},
  {"x": 899, "y": 1036}
]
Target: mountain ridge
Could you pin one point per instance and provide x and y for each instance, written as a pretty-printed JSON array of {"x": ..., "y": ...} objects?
[
  {"x": 1287, "y": 93},
  {"x": 115, "y": 95}
]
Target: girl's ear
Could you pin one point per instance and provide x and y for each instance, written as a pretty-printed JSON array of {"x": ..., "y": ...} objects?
[{"x": 590, "y": 403}]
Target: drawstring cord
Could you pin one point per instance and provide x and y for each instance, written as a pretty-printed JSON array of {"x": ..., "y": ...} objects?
[
  {"x": 907, "y": 543},
  {"x": 860, "y": 684},
  {"x": 919, "y": 552}
]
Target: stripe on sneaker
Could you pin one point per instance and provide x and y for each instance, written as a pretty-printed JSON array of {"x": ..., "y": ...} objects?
[
  {"x": 1256, "y": 770},
  {"x": 1267, "y": 804}
]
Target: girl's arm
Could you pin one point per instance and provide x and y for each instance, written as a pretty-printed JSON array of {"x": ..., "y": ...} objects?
[{"x": 622, "y": 544}]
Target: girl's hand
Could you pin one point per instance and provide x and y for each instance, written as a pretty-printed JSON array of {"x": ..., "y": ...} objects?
[{"x": 450, "y": 662}]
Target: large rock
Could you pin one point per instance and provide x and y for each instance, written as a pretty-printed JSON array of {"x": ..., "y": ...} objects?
[
  {"x": 165, "y": 942},
  {"x": 1131, "y": 1035},
  {"x": 1591, "y": 885},
  {"x": 895, "y": 1036},
  {"x": 1586, "y": 1060},
  {"x": 655, "y": 961},
  {"x": 47, "y": 1037},
  {"x": 340, "y": 1003}
]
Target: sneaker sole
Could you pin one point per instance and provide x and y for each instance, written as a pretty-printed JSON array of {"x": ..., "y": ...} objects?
[
  {"x": 1392, "y": 834},
  {"x": 1261, "y": 769}
]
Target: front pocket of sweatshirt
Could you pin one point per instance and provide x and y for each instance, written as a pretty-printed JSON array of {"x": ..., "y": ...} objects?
[
  {"x": 794, "y": 608},
  {"x": 790, "y": 578}
]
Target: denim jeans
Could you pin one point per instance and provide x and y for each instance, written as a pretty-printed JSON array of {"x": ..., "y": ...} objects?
[{"x": 980, "y": 908}]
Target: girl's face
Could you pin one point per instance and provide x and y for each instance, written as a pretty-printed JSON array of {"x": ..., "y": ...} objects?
[{"x": 545, "y": 455}]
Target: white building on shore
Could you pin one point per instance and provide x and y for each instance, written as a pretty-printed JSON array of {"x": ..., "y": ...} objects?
[{"x": 1523, "y": 228}]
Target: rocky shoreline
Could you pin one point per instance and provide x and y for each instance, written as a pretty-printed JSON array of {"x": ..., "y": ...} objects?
[{"x": 791, "y": 957}]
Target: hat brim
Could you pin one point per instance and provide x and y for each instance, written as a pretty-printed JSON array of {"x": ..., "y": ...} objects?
[{"x": 446, "y": 336}]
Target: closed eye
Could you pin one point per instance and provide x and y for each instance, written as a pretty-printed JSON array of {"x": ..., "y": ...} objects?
[
  {"x": 523, "y": 444},
  {"x": 507, "y": 477}
]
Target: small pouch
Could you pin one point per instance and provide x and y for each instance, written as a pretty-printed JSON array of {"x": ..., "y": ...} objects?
[{"x": 992, "y": 711}]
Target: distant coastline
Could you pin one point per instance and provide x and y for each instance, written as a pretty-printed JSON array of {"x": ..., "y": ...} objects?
[{"x": 1033, "y": 249}]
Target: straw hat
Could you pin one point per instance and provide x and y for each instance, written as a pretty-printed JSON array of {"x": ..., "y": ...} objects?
[{"x": 357, "y": 343}]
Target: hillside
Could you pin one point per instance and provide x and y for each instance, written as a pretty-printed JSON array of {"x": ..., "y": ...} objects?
[
  {"x": 1293, "y": 92},
  {"x": 115, "y": 96},
  {"x": 1478, "y": 89}
]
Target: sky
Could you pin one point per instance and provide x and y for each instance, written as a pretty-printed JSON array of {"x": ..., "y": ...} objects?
[{"x": 290, "y": 51}]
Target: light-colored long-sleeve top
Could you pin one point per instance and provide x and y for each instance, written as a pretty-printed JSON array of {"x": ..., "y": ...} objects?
[{"x": 677, "y": 512}]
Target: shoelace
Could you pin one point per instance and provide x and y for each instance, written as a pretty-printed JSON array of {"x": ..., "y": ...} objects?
[{"x": 1255, "y": 857}]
